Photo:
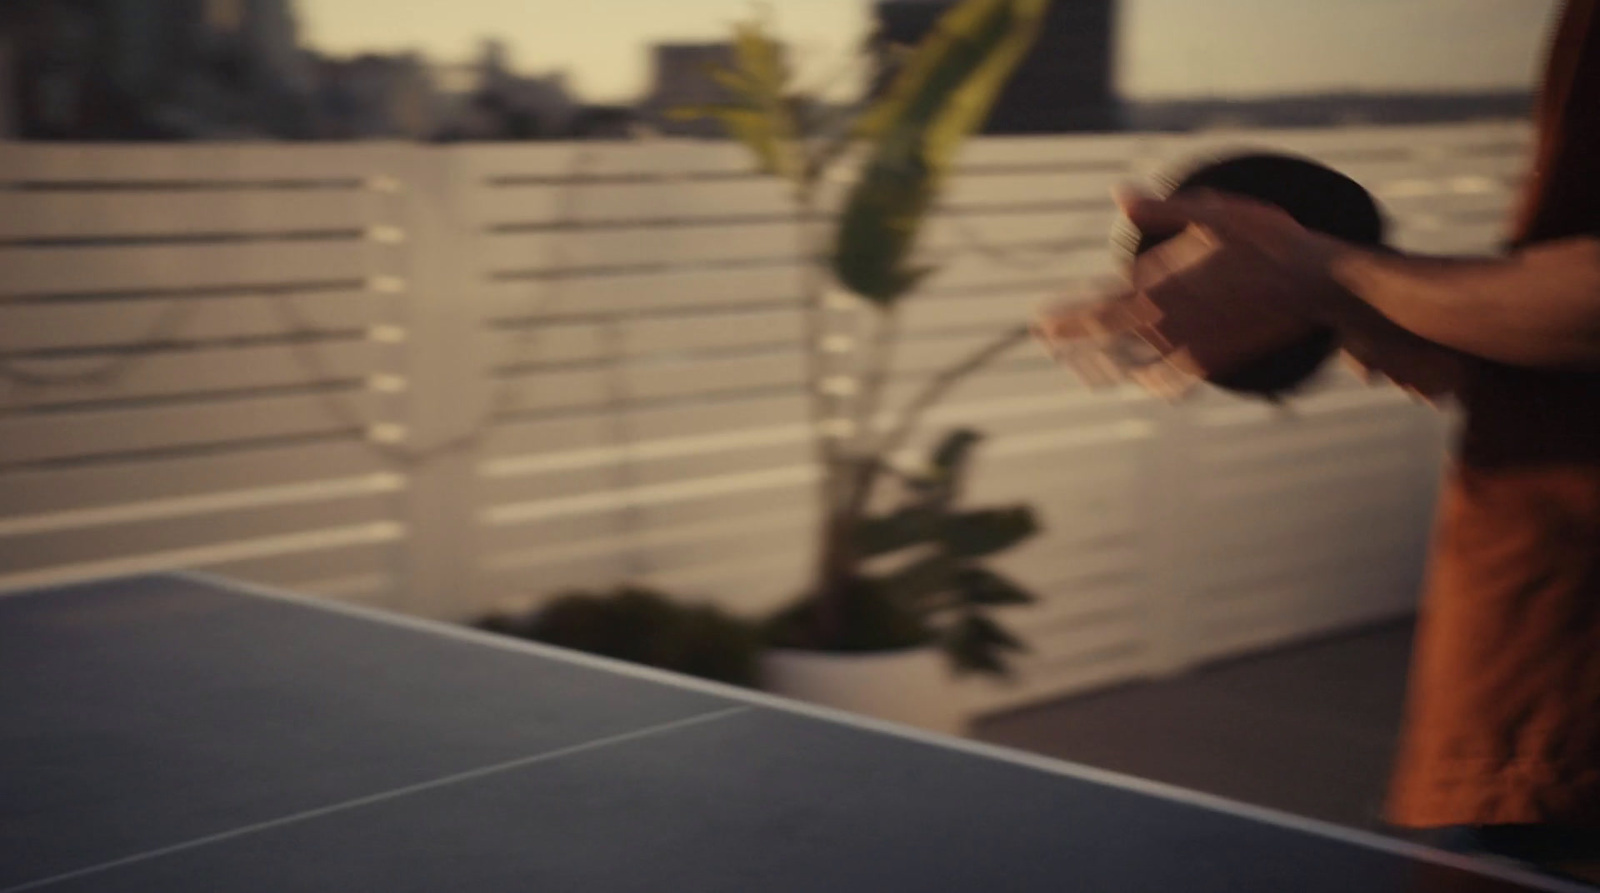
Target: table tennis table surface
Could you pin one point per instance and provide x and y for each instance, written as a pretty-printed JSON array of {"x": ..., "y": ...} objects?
[{"x": 178, "y": 732}]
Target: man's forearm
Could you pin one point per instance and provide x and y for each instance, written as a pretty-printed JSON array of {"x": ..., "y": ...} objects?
[{"x": 1539, "y": 307}]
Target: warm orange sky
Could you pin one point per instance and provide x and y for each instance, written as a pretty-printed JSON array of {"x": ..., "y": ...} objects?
[{"x": 1168, "y": 47}]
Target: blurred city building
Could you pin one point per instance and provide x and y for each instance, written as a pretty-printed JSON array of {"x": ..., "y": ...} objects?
[
  {"x": 373, "y": 96},
  {"x": 490, "y": 102},
  {"x": 608, "y": 122},
  {"x": 1064, "y": 85},
  {"x": 235, "y": 69},
  {"x": 8, "y": 91},
  {"x": 156, "y": 69}
]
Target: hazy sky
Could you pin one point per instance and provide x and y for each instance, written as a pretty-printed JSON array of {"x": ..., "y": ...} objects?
[{"x": 1167, "y": 47}]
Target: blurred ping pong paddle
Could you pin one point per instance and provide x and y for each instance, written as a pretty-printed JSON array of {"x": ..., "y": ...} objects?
[{"x": 1318, "y": 198}]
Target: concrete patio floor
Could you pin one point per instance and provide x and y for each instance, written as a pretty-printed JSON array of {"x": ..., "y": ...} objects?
[{"x": 1309, "y": 729}]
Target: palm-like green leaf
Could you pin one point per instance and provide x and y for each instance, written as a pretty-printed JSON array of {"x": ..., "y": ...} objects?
[
  {"x": 977, "y": 644},
  {"x": 759, "y": 113},
  {"x": 922, "y": 579},
  {"x": 987, "y": 531},
  {"x": 951, "y": 454},
  {"x": 981, "y": 587},
  {"x": 943, "y": 93},
  {"x": 901, "y": 529},
  {"x": 941, "y": 486}
]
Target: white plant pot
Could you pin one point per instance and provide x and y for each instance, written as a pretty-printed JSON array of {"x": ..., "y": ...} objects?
[{"x": 913, "y": 687}]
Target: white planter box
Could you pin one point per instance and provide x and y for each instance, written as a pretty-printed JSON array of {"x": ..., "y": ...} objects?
[{"x": 912, "y": 687}]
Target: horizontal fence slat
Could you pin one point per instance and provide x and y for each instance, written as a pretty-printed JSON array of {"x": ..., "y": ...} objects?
[
  {"x": 602, "y": 460},
  {"x": 513, "y": 348},
  {"x": 628, "y": 468},
  {"x": 990, "y": 312},
  {"x": 1238, "y": 449},
  {"x": 656, "y": 291},
  {"x": 717, "y": 374},
  {"x": 207, "y": 556},
  {"x": 664, "y": 201},
  {"x": 136, "y": 484},
  {"x": 1416, "y": 177},
  {"x": 1312, "y": 474},
  {"x": 777, "y": 326},
  {"x": 1083, "y": 150},
  {"x": 293, "y": 570},
  {"x": 81, "y": 434},
  {"x": 125, "y": 213},
  {"x": 1241, "y": 575},
  {"x": 209, "y": 370},
  {"x": 554, "y": 390},
  {"x": 704, "y": 377},
  {"x": 555, "y": 526},
  {"x": 680, "y": 201},
  {"x": 80, "y": 270},
  {"x": 1425, "y": 237},
  {"x": 618, "y": 159},
  {"x": 1051, "y": 230},
  {"x": 996, "y": 173},
  {"x": 63, "y": 163},
  {"x": 558, "y": 342},
  {"x": 570, "y": 522},
  {"x": 1043, "y": 271},
  {"x": 669, "y": 246},
  {"x": 521, "y": 438},
  {"x": 54, "y": 325},
  {"x": 1340, "y": 515},
  {"x": 1108, "y": 580},
  {"x": 1341, "y": 145},
  {"x": 60, "y": 548},
  {"x": 638, "y": 246},
  {"x": 613, "y": 389},
  {"x": 975, "y": 192}
]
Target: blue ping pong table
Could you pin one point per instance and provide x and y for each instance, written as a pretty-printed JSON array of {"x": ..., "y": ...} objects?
[{"x": 179, "y": 733}]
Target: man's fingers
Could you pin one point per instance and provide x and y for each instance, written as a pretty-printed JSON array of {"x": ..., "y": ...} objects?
[
  {"x": 1230, "y": 215},
  {"x": 1154, "y": 217},
  {"x": 1166, "y": 216},
  {"x": 1094, "y": 321}
]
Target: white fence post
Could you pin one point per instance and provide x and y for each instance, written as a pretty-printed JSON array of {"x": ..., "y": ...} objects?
[{"x": 447, "y": 382}]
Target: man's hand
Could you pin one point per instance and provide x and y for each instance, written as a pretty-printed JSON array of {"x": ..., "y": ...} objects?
[{"x": 1238, "y": 280}]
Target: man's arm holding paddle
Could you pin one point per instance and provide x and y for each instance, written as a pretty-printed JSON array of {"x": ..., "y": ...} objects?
[{"x": 1243, "y": 276}]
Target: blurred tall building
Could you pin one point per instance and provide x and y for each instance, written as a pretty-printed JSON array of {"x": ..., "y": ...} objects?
[
  {"x": 1065, "y": 84},
  {"x": 156, "y": 69},
  {"x": 377, "y": 97}
]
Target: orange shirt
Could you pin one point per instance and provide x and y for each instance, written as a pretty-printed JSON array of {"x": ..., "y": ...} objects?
[{"x": 1503, "y": 719}]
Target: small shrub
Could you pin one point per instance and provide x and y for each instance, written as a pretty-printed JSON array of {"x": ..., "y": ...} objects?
[{"x": 643, "y": 627}]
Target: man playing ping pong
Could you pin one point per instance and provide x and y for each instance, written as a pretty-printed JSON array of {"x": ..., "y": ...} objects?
[{"x": 1502, "y": 734}]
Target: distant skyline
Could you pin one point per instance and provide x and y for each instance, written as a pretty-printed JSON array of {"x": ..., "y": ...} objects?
[{"x": 1167, "y": 48}]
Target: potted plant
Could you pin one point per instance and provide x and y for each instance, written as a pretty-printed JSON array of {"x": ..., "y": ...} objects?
[{"x": 898, "y": 592}]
